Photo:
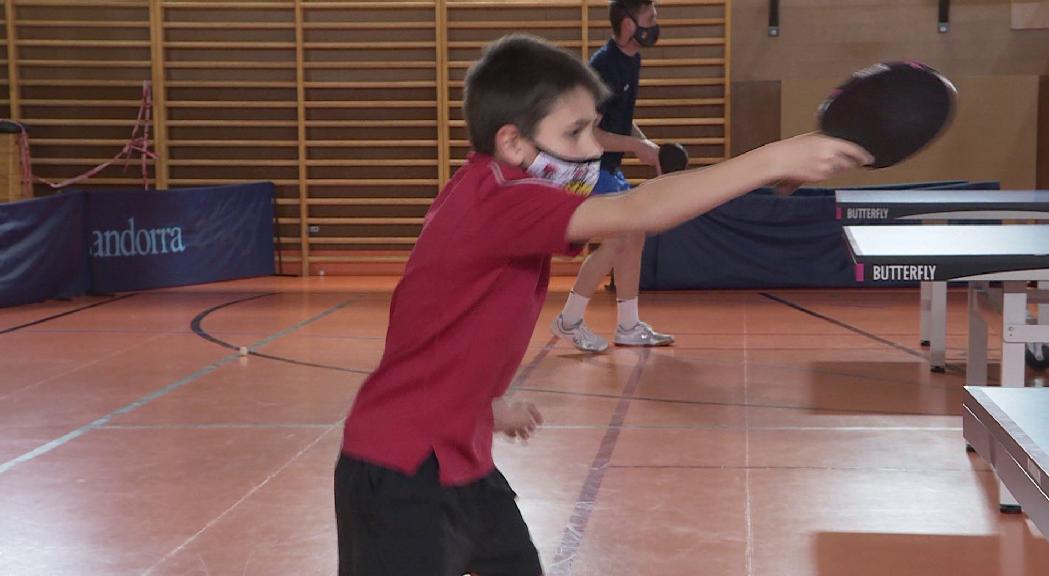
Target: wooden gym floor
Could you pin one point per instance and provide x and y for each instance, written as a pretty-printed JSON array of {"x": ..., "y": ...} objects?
[{"x": 787, "y": 433}]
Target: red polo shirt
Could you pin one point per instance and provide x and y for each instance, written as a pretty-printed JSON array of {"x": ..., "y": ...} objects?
[{"x": 460, "y": 321}]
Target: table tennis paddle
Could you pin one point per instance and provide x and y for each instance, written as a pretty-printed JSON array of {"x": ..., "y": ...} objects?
[
  {"x": 893, "y": 110},
  {"x": 672, "y": 158}
]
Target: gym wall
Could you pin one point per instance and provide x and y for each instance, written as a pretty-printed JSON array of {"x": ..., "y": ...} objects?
[
  {"x": 352, "y": 108},
  {"x": 778, "y": 82}
]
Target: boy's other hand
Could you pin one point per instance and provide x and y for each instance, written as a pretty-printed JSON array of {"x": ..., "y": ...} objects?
[{"x": 516, "y": 419}]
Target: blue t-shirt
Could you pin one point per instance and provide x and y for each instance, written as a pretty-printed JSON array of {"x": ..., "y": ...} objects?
[{"x": 621, "y": 73}]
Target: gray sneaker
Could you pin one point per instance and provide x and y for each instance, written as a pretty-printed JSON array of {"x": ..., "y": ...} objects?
[
  {"x": 641, "y": 335},
  {"x": 579, "y": 335}
]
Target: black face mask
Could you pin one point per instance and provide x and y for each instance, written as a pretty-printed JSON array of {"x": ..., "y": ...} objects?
[{"x": 646, "y": 37}]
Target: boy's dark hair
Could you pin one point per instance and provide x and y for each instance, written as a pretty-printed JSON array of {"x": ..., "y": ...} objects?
[
  {"x": 619, "y": 10},
  {"x": 516, "y": 81}
]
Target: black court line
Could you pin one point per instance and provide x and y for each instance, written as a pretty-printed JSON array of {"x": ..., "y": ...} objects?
[
  {"x": 844, "y": 325},
  {"x": 198, "y": 329},
  {"x": 147, "y": 399},
  {"x": 873, "y": 378},
  {"x": 735, "y": 428},
  {"x": 63, "y": 314},
  {"x": 195, "y": 324},
  {"x": 309, "y": 364},
  {"x": 730, "y": 404}
]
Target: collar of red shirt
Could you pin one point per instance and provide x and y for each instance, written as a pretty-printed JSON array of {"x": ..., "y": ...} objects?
[{"x": 508, "y": 171}]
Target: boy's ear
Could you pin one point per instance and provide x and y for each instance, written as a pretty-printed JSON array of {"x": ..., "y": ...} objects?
[
  {"x": 627, "y": 29},
  {"x": 510, "y": 145}
]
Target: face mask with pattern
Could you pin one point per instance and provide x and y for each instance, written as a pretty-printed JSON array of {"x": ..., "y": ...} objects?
[{"x": 575, "y": 176}]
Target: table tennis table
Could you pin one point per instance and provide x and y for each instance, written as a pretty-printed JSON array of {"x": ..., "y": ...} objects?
[
  {"x": 1009, "y": 428},
  {"x": 1013, "y": 254},
  {"x": 925, "y": 205}
]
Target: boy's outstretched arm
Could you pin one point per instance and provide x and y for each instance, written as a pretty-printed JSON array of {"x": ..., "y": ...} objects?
[{"x": 665, "y": 202}]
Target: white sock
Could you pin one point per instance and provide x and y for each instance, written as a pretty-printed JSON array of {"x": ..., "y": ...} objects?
[
  {"x": 628, "y": 314},
  {"x": 574, "y": 309}
]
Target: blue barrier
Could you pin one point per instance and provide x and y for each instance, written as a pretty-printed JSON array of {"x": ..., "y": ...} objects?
[
  {"x": 761, "y": 240},
  {"x": 118, "y": 241}
]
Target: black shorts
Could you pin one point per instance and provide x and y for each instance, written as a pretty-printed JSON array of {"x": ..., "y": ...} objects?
[{"x": 391, "y": 524}]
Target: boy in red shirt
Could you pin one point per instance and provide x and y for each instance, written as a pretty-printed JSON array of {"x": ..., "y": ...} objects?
[{"x": 416, "y": 490}]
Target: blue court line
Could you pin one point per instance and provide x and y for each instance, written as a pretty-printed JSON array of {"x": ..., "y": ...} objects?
[
  {"x": 572, "y": 538},
  {"x": 58, "y": 442},
  {"x": 254, "y": 426},
  {"x": 526, "y": 372}
]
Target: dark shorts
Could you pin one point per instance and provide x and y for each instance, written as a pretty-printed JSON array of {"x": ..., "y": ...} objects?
[{"x": 391, "y": 524}]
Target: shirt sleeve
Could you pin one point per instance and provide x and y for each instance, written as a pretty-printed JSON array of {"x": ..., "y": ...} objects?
[{"x": 529, "y": 218}]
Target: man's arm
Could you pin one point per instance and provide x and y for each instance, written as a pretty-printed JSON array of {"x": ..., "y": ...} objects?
[
  {"x": 637, "y": 133},
  {"x": 646, "y": 150}
]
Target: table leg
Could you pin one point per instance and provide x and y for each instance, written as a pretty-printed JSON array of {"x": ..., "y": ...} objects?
[{"x": 938, "y": 327}]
